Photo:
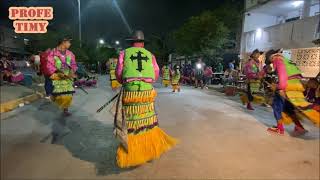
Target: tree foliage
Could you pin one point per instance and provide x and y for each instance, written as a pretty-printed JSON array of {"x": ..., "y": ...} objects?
[
  {"x": 210, "y": 33},
  {"x": 159, "y": 46},
  {"x": 88, "y": 54},
  {"x": 199, "y": 34}
]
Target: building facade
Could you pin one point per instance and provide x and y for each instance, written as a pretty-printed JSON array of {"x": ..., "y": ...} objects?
[
  {"x": 293, "y": 25},
  {"x": 10, "y": 42}
]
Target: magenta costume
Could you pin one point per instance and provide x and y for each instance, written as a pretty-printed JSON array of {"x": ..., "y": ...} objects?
[{"x": 51, "y": 65}]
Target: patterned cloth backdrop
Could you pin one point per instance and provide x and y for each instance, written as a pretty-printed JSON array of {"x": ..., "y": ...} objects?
[{"x": 308, "y": 60}]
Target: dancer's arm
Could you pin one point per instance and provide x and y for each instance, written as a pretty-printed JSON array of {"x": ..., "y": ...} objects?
[
  {"x": 282, "y": 73},
  {"x": 156, "y": 67},
  {"x": 51, "y": 65},
  {"x": 119, "y": 67},
  {"x": 73, "y": 64}
]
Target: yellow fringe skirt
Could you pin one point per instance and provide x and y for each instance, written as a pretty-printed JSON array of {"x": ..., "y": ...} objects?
[
  {"x": 175, "y": 87},
  {"x": 63, "y": 101},
  {"x": 294, "y": 92},
  {"x": 256, "y": 98},
  {"x": 146, "y": 141},
  {"x": 166, "y": 82},
  {"x": 115, "y": 84},
  {"x": 144, "y": 147}
]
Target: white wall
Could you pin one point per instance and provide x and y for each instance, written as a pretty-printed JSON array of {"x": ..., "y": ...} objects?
[
  {"x": 295, "y": 34},
  {"x": 293, "y": 14},
  {"x": 314, "y": 10},
  {"x": 258, "y": 20}
]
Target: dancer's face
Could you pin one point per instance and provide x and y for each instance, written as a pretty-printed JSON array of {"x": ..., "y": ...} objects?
[
  {"x": 66, "y": 44},
  {"x": 256, "y": 56},
  {"x": 270, "y": 68}
]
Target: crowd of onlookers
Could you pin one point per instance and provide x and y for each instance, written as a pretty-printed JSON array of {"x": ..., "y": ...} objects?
[
  {"x": 9, "y": 69},
  {"x": 201, "y": 75},
  {"x": 16, "y": 69},
  {"x": 6, "y": 69},
  {"x": 312, "y": 90}
]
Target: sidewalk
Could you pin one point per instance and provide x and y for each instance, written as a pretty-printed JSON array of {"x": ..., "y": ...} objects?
[{"x": 13, "y": 96}]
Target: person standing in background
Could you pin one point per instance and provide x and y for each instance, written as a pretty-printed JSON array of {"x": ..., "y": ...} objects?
[
  {"x": 166, "y": 74},
  {"x": 199, "y": 72},
  {"x": 254, "y": 76},
  {"x": 175, "y": 82},
  {"x": 231, "y": 65},
  {"x": 61, "y": 67},
  {"x": 219, "y": 68},
  {"x": 208, "y": 73}
]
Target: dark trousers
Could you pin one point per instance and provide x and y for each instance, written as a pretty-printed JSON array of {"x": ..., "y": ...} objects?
[
  {"x": 48, "y": 85},
  {"x": 280, "y": 105},
  {"x": 249, "y": 93}
]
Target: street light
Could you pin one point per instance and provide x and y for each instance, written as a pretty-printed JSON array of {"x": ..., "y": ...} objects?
[
  {"x": 117, "y": 42},
  {"x": 79, "y": 14},
  {"x": 297, "y": 3},
  {"x": 259, "y": 33},
  {"x": 101, "y": 41},
  {"x": 199, "y": 66}
]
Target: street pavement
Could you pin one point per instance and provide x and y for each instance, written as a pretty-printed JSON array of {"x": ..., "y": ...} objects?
[{"x": 218, "y": 138}]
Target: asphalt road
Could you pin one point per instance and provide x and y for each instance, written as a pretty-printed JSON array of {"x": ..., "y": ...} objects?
[{"x": 218, "y": 137}]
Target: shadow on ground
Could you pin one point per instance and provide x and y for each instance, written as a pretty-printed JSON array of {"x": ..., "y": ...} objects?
[
  {"x": 264, "y": 115},
  {"x": 85, "y": 138}
]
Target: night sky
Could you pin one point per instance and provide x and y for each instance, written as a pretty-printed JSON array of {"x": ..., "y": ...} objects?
[{"x": 100, "y": 18}]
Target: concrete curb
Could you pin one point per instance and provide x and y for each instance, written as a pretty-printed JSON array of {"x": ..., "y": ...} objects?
[{"x": 11, "y": 105}]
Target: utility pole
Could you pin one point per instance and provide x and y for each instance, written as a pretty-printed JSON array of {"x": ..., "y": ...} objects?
[{"x": 79, "y": 14}]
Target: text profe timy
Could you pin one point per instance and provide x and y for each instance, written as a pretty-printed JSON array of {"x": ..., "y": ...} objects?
[{"x": 30, "y": 19}]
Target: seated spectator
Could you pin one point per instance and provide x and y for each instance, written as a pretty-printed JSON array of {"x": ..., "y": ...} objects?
[
  {"x": 230, "y": 77},
  {"x": 6, "y": 69},
  {"x": 311, "y": 91},
  {"x": 219, "y": 68}
]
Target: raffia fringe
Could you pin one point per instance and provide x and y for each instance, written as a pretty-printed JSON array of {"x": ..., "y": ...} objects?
[
  {"x": 139, "y": 96},
  {"x": 255, "y": 86},
  {"x": 313, "y": 116},
  {"x": 295, "y": 87},
  {"x": 165, "y": 82},
  {"x": 175, "y": 87},
  {"x": 61, "y": 85},
  {"x": 144, "y": 147},
  {"x": 136, "y": 124},
  {"x": 115, "y": 84},
  {"x": 294, "y": 94},
  {"x": 244, "y": 98},
  {"x": 286, "y": 119},
  {"x": 300, "y": 102},
  {"x": 138, "y": 109},
  {"x": 256, "y": 99},
  {"x": 63, "y": 101},
  {"x": 55, "y": 76}
]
